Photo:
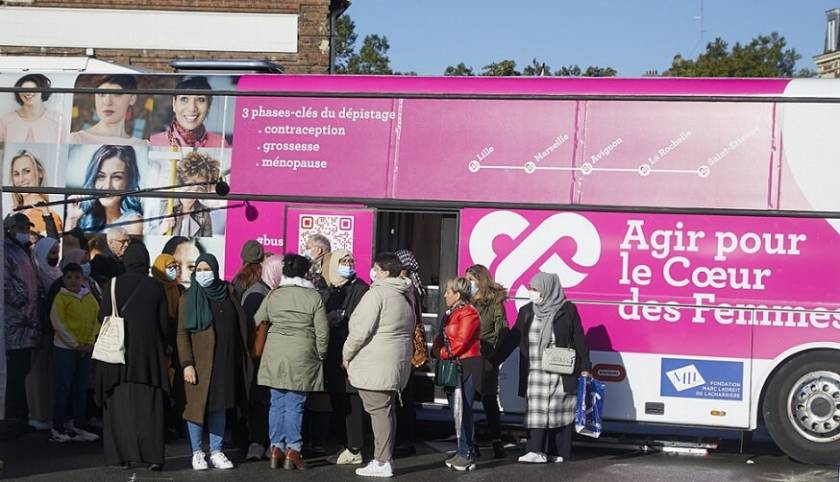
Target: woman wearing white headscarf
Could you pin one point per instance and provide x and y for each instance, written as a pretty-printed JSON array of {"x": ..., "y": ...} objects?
[{"x": 550, "y": 319}]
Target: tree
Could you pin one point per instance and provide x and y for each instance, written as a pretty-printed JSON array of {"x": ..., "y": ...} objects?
[
  {"x": 503, "y": 68},
  {"x": 372, "y": 57},
  {"x": 344, "y": 42},
  {"x": 569, "y": 71},
  {"x": 763, "y": 56},
  {"x": 459, "y": 70},
  {"x": 536, "y": 68},
  {"x": 591, "y": 71}
]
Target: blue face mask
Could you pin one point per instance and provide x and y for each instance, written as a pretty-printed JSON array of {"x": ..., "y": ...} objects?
[
  {"x": 473, "y": 288},
  {"x": 346, "y": 272},
  {"x": 86, "y": 270},
  {"x": 204, "y": 278},
  {"x": 22, "y": 238},
  {"x": 172, "y": 273}
]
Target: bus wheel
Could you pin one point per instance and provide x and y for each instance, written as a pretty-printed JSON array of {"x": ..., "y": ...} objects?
[{"x": 802, "y": 407}]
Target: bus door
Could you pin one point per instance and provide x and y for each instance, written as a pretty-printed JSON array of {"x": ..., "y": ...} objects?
[{"x": 433, "y": 238}]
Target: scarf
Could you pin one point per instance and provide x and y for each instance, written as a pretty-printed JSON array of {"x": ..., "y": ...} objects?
[
  {"x": 46, "y": 274},
  {"x": 553, "y": 298},
  {"x": 410, "y": 264},
  {"x": 272, "y": 271},
  {"x": 331, "y": 273},
  {"x": 136, "y": 259},
  {"x": 170, "y": 287},
  {"x": 198, "y": 312},
  {"x": 180, "y": 137}
]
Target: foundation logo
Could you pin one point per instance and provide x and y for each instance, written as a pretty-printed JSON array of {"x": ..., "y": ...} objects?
[{"x": 515, "y": 248}]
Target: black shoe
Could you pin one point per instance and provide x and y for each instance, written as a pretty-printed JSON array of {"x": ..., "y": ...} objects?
[
  {"x": 476, "y": 451},
  {"x": 405, "y": 451},
  {"x": 499, "y": 450}
]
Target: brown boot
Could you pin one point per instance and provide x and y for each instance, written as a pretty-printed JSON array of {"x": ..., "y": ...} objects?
[
  {"x": 294, "y": 461},
  {"x": 277, "y": 457}
]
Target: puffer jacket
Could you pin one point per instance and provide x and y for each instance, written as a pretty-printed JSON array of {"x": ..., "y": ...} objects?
[
  {"x": 380, "y": 342},
  {"x": 462, "y": 329},
  {"x": 23, "y": 296}
]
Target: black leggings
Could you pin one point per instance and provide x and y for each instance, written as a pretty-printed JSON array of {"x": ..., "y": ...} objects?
[{"x": 490, "y": 401}]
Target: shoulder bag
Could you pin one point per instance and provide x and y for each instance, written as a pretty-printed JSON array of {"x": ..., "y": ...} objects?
[
  {"x": 559, "y": 360},
  {"x": 110, "y": 344},
  {"x": 259, "y": 334}
]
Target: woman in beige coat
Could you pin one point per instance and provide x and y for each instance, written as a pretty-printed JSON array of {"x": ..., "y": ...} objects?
[
  {"x": 377, "y": 354},
  {"x": 292, "y": 360}
]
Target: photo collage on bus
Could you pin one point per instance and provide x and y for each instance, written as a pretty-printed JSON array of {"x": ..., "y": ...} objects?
[{"x": 124, "y": 142}]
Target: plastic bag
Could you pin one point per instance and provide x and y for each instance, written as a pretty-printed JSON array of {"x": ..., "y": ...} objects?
[{"x": 590, "y": 407}]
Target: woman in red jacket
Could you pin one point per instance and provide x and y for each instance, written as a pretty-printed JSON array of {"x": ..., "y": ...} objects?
[{"x": 460, "y": 339}]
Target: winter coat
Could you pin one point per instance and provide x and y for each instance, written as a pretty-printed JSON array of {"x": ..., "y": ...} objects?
[
  {"x": 297, "y": 340},
  {"x": 75, "y": 318},
  {"x": 343, "y": 301},
  {"x": 568, "y": 332},
  {"x": 494, "y": 324},
  {"x": 463, "y": 333},
  {"x": 196, "y": 349},
  {"x": 380, "y": 342},
  {"x": 23, "y": 297}
]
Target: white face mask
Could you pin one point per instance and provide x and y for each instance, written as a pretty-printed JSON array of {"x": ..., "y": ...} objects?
[
  {"x": 372, "y": 275},
  {"x": 171, "y": 273},
  {"x": 204, "y": 278},
  {"x": 535, "y": 296},
  {"x": 473, "y": 288}
]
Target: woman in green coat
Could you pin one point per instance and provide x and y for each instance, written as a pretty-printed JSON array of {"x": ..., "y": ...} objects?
[{"x": 292, "y": 359}]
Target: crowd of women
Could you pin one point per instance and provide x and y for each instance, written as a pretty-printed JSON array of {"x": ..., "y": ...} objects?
[{"x": 291, "y": 342}]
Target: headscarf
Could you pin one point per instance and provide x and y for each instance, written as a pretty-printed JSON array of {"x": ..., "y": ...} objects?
[
  {"x": 169, "y": 286},
  {"x": 46, "y": 274},
  {"x": 331, "y": 261},
  {"x": 136, "y": 258},
  {"x": 409, "y": 262},
  {"x": 272, "y": 271},
  {"x": 73, "y": 256},
  {"x": 199, "y": 314},
  {"x": 553, "y": 298}
]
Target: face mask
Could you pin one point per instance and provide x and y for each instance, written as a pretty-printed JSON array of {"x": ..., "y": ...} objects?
[
  {"x": 308, "y": 254},
  {"x": 22, "y": 238},
  {"x": 172, "y": 273},
  {"x": 204, "y": 278},
  {"x": 86, "y": 270},
  {"x": 535, "y": 296},
  {"x": 473, "y": 288},
  {"x": 346, "y": 272},
  {"x": 52, "y": 262},
  {"x": 372, "y": 274}
]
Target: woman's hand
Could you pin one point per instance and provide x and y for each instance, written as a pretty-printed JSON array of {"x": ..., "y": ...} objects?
[
  {"x": 190, "y": 376},
  {"x": 345, "y": 364},
  {"x": 74, "y": 213}
]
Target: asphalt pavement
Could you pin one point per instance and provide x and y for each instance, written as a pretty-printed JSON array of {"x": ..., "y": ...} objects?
[{"x": 32, "y": 456}]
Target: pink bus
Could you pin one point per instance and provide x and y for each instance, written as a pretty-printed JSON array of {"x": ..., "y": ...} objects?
[{"x": 691, "y": 220}]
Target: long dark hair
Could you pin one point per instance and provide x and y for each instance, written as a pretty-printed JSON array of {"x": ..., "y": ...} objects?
[{"x": 94, "y": 214}]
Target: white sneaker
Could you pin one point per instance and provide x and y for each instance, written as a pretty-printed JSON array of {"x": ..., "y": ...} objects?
[
  {"x": 39, "y": 425},
  {"x": 79, "y": 434},
  {"x": 199, "y": 462},
  {"x": 346, "y": 457},
  {"x": 220, "y": 461},
  {"x": 376, "y": 469},
  {"x": 555, "y": 459},
  {"x": 255, "y": 452},
  {"x": 60, "y": 437},
  {"x": 533, "y": 458}
]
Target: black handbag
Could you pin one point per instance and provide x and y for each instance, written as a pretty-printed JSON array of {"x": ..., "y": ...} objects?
[{"x": 447, "y": 372}]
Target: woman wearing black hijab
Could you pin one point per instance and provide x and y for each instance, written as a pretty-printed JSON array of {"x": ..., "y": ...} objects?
[
  {"x": 133, "y": 395},
  {"x": 213, "y": 350}
]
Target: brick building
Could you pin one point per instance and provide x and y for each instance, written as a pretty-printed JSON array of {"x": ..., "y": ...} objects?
[{"x": 148, "y": 35}]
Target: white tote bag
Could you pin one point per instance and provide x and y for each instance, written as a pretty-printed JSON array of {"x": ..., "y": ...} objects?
[{"x": 110, "y": 344}]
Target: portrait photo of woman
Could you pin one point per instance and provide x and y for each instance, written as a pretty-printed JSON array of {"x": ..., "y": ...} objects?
[
  {"x": 32, "y": 121},
  {"x": 111, "y": 167},
  {"x": 189, "y": 216},
  {"x": 189, "y": 113},
  {"x": 112, "y": 109},
  {"x": 27, "y": 170}
]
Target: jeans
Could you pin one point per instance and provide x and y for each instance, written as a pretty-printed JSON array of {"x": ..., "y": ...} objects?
[
  {"x": 466, "y": 427},
  {"x": 72, "y": 369},
  {"x": 216, "y": 427},
  {"x": 285, "y": 417}
]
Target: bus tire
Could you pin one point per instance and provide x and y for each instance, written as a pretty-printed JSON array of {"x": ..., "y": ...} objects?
[{"x": 802, "y": 407}]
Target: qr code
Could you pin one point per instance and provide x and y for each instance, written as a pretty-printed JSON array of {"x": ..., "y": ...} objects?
[{"x": 338, "y": 229}]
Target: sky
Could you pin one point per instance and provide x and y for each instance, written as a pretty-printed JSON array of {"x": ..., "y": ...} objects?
[{"x": 632, "y": 36}]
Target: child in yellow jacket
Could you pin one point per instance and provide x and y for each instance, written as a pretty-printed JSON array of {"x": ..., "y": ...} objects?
[{"x": 75, "y": 318}]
